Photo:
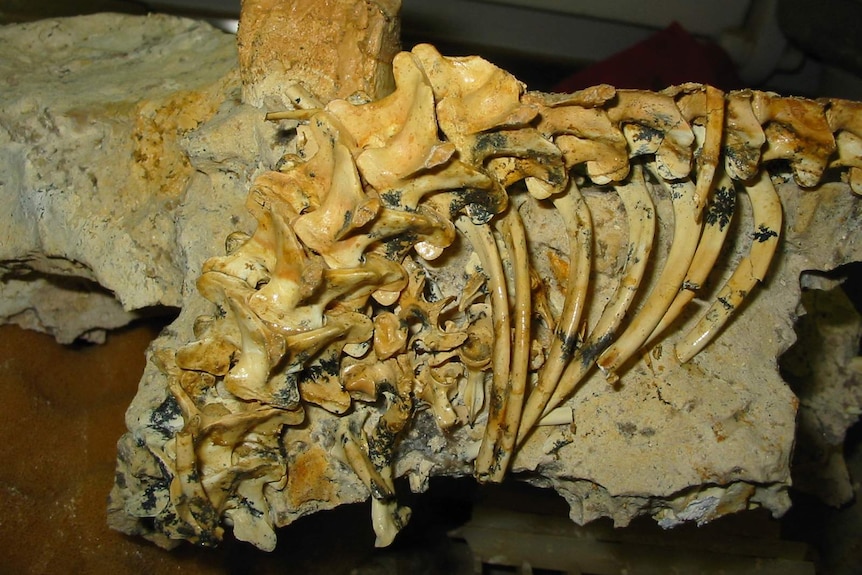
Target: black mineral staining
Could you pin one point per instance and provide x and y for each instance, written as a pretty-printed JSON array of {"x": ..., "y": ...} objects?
[
  {"x": 397, "y": 246},
  {"x": 391, "y": 198},
  {"x": 323, "y": 367},
  {"x": 589, "y": 353},
  {"x": 720, "y": 209},
  {"x": 490, "y": 141},
  {"x": 764, "y": 234},
  {"x": 646, "y": 133},
  {"x": 570, "y": 343},
  {"x": 164, "y": 415},
  {"x": 286, "y": 396},
  {"x": 430, "y": 292},
  {"x": 381, "y": 445},
  {"x": 481, "y": 204},
  {"x": 726, "y": 304},
  {"x": 149, "y": 500},
  {"x": 348, "y": 217}
]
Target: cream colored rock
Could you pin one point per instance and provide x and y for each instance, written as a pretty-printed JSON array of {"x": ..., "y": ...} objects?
[
  {"x": 93, "y": 113},
  {"x": 346, "y": 335},
  {"x": 682, "y": 416}
]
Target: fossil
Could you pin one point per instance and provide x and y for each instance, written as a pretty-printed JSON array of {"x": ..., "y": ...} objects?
[{"x": 395, "y": 269}]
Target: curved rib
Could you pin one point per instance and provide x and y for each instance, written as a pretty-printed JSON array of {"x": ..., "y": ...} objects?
[
  {"x": 641, "y": 219},
  {"x": 579, "y": 228},
  {"x": 719, "y": 212},
  {"x": 766, "y": 207},
  {"x": 710, "y": 152},
  {"x": 482, "y": 239},
  {"x": 687, "y": 225},
  {"x": 516, "y": 241}
]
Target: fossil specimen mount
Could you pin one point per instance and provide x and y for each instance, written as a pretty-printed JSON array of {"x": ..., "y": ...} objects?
[{"x": 464, "y": 277}]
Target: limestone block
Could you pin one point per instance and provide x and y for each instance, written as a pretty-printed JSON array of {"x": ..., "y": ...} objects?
[
  {"x": 92, "y": 115},
  {"x": 679, "y": 440},
  {"x": 174, "y": 173}
]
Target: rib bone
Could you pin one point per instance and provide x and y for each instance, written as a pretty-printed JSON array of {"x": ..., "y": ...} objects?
[
  {"x": 640, "y": 215},
  {"x": 686, "y": 232},
  {"x": 481, "y": 238},
  {"x": 578, "y": 223},
  {"x": 716, "y": 225},
  {"x": 751, "y": 269},
  {"x": 516, "y": 241}
]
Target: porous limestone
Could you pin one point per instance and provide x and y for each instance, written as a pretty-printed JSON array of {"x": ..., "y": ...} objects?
[
  {"x": 93, "y": 178},
  {"x": 127, "y": 158}
]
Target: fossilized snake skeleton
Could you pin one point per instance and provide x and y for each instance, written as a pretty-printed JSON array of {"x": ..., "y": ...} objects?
[{"x": 329, "y": 301}]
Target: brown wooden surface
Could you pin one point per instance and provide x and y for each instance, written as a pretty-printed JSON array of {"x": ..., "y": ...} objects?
[{"x": 61, "y": 413}]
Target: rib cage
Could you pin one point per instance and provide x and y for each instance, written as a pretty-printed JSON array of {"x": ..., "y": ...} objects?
[{"x": 330, "y": 302}]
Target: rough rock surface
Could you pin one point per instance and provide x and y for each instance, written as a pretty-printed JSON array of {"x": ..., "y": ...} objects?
[
  {"x": 352, "y": 43},
  {"x": 824, "y": 368},
  {"x": 684, "y": 443},
  {"x": 695, "y": 441},
  {"x": 93, "y": 178}
]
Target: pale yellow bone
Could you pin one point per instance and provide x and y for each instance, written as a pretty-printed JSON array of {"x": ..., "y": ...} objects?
[
  {"x": 558, "y": 416},
  {"x": 585, "y": 135},
  {"x": 716, "y": 225},
  {"x": 522, "y": 315},
  {"x": 483, "y": 242},
  {"x": 751, "y": 269},
  {"x": 796, "y": 130},
  {"x": 700, "y": 103},
  {"x": 845, "y": 121},
  {"x": 472, "y": 94},
  {"x": 744, "y": 137},
  {"x": 640, "y": 215},
  {"x": 687, "y": 225},
  {"x": 387, "y": 517},
  {"x": 578, "y": 223},
  {"x": 343, "y": 210},
  {"x": 652, "y": 124}
]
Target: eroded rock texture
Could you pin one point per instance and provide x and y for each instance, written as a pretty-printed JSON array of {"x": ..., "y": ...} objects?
[
  {"x": 408, "y": 306},
  {"x": 94, "y": 177},
  {"x": 337, "y": 46},
  {"x": 423, "y": 284}
]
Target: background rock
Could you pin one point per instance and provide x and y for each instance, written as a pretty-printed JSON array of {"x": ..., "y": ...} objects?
[
  {"x": 93, "y": 177},
  {"x": 128, "y": 177}
]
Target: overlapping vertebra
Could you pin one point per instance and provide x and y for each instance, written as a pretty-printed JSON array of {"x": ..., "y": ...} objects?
[{"x": 330, "y": 302}]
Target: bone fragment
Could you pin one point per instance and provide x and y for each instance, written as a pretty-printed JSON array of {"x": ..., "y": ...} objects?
[
  {"x": 522, "y": 316},
  {"x": 481, "y": 238},
  {"x": 716, "y": 225}
]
